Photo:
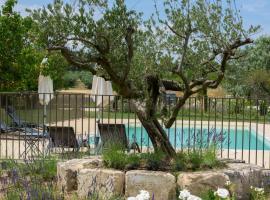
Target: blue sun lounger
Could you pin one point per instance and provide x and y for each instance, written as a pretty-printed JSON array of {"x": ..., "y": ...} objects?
[{"x": 17, "y": 121}]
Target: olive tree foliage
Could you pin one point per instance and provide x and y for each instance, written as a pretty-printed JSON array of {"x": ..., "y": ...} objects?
[{"x": 186, "y": 49}]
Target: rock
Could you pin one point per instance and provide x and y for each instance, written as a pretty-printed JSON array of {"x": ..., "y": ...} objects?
[
  {"x": 102, "y": 182},
  {"x": 67, "y": 171},
  {"x": 266, "y": 180},
  {"x": 200, "y": 182},
  {"x": 242, "y": 177},
  {"x": 161, "y": 185}
]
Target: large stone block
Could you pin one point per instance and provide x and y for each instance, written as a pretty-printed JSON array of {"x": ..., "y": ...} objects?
[
  {"x": 200, "y": 182},
  {"x": 67, "y": 171},
  {"x": 161, "y": 185},
  {"x": 102, "y": 182},
  {"x": 243, "y": 176},
  {"x": 266, "y": 180}
]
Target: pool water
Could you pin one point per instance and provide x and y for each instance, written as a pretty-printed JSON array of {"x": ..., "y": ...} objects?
[{"x": 191, "y": 137}]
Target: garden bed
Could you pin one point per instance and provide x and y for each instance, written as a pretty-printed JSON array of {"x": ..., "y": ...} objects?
[{"x": 90, "y": 177}]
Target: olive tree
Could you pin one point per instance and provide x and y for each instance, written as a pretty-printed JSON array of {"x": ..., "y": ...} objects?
[{"x": 185, "y": 48}]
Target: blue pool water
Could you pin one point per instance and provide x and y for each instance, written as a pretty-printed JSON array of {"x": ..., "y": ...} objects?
[{"x": 190, "y": 137}]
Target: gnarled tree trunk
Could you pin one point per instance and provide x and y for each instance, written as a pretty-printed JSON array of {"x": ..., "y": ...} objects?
[{"x": 155, "y": 132}]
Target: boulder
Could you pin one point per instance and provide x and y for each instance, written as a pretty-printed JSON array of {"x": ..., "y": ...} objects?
[
  {"x": 67, "y": 171},
  {"x": 200, "y": 182},
  {"x": 266, "y": 180},
  {"x": 102, "y": 182},
  {"x": 160, "y": 185},
  {"x": 242, "y": 176}
]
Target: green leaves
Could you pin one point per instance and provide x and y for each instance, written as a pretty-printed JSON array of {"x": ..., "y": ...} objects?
[
  {"x": 190, "y": 43},
  {"x": 12, "y": 31},
  {"x": 250, "y": 75}
]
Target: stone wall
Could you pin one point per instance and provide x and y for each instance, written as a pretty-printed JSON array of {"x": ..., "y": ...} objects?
[{"x": 87, "y": 176}]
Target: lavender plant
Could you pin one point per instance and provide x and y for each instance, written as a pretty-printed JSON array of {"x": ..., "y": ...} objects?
[{"x": 31, "y": 179}]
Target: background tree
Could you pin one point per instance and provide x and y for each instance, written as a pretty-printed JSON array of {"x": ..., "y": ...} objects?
[
  {"x": 20, "y": 58},
  {"x": 250, "y": 75},
  {"x": 12, "y": 30},
  {"x": 193, "y": 43}
]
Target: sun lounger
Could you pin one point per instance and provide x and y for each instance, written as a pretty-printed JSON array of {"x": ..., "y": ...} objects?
[
  {"x": 115, "y": 134},
  {"x": 17, "y": 121}
]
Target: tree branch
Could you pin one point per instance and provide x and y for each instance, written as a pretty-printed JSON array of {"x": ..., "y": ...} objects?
[
  {"x": 198, "y": 85},
  {"x": 130, "y": 53},
  {"x": 74, "y": 60}
]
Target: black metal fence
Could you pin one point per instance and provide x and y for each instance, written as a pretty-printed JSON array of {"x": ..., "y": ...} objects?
[{"x": 67, "y": 125}]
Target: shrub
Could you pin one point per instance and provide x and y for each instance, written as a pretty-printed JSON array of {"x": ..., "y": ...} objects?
[
  {"x": 209, "y": 158},
  {"x": 195, "y": 160},
  {"x": 31, "y": 179},
  {"x": 257, "y": 193},
  {"x": 114, "y": 157},
  {"x": 180, "y": 162},
  {"x": 69, "y": 79},
  {"x": 24, "y": 189},
  {"x": 155, "y": 161},
  {"x": 43, "y": 169},
  {"x": 209, "y": 195},
  {"x": 133, "y": 161}
]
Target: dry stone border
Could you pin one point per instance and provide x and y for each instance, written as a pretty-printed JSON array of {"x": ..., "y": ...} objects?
[
  {"x": 160, "y": 185},
  {"x": 102, "y": 182},
  {"x": 88, "y": 176},
  {"x": 67, "y": 171}
]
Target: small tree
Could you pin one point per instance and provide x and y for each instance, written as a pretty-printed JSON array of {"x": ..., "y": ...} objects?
[{"x": 186, "y": 50}]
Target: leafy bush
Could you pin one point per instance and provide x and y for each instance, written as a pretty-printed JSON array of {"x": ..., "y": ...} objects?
[
  {"x": 195, "y": 160},
  {"x": 209, "y": 195},
  {"x": 33, "y": 179},
  {"x": 114, "y": 157},
  {"x": 86, "y": 77},
  {"x": 71, "y": 77},
  {"x": 32, "y": 190},
  {"x": 180, "y": 162},
  {"x": 155, "y": 161},
  {"x": 209, "y": 158},
  {"x": 43, "y": 169},
  {"x": 133, "y": 161},
  {"x": 257, "y": 193}
]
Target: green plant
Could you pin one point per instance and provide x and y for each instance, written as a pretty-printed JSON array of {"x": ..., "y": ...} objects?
[
  {"x": 195, "y": 160},
  {"x": 32, "y": 189},
  {"x": 209, "y": 195},
  {"x": 180, "y": 162},
  {"x": 155, "y": 161},
  {"x": 44, "y": 169},
  {"x": 33, "y": 179},
  {"x": 12, "y": 194},
  {"x": 69, "y": 79},
  {"x": 209, "y": 158},
  {"x": 133, "y": 161},
  {"x": 257, "y": 193},
  {"x": 115, "y": 157}
]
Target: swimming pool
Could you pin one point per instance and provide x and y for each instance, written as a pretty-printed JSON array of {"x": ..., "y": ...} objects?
[
  {"x": 202, "y": 137},
  {"x": 189, "y": 137}
]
